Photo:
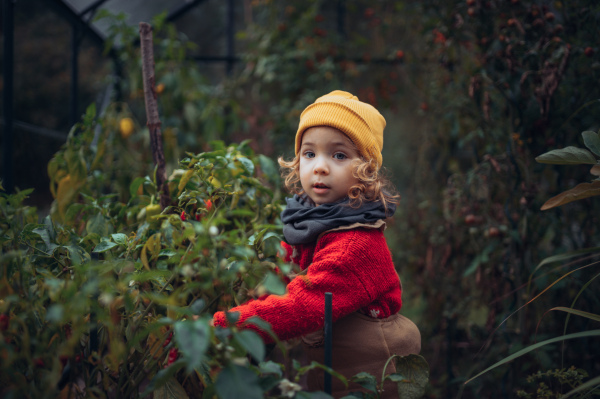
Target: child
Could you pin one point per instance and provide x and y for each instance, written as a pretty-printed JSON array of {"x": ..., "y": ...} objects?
[{"x": 334, "y": 226}]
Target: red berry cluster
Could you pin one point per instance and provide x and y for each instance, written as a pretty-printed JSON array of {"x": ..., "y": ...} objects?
[
  {"x": 168, "y": 340},
  {"x": 173, "y": 355}
]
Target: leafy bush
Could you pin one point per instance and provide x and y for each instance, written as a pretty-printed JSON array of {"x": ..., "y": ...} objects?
[{"x": 108, "y": 298}]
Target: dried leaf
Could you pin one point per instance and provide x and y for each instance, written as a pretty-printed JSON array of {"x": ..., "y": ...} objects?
[
  {"x": 583, "y": 190},
  {"x": 171, "y": 390}
]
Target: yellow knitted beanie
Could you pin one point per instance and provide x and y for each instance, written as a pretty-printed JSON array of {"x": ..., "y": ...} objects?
[{"x": 360, "y": 121}]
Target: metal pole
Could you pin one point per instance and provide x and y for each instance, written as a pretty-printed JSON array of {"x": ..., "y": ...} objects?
[
  {"x": 74, "y": 74},
  {"x": 328, "y": 341},
  {"x": 8, "y": 65},
  {"x": 230, "y": 36}
]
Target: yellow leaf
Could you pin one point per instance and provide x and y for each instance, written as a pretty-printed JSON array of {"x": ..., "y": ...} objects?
[
  {"x": 68, "y": 189},
  {"x": 144, "y": 258},
  {"x": 581, "y": 191},
  {"x": 215, "y": 182},
  {"x": 153, "y": 247},
  {"x": 184, "y": 179}
]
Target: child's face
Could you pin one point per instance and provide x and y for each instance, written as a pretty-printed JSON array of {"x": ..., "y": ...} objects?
[{"x": 326, "y": 163}]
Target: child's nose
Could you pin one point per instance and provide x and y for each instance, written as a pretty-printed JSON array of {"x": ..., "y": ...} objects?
[{"x": 321, "y": 166}]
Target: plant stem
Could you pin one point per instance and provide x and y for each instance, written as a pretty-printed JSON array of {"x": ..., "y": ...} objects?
[
  {"x": 153, "y": 120},
  {"x": 43, "y": 252}
]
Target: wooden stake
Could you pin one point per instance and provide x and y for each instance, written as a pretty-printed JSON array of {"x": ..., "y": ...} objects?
[{"x": 153, "y": 120}]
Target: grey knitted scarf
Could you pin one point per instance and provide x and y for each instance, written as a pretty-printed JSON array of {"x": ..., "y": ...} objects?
[{"x": 303, "y": 222}]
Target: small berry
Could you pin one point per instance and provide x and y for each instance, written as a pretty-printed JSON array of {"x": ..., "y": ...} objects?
[
  {"x": 549, "y": 16},
  {"x": 172, "y": 357},
  {"x": 493, "y": 232},
  {"x": 168, "y": 340},
  {"x": 424, "y": 106},
  {"x": 588, "y": 51},
  {"x": 4, "y": 322},
  {"x": 209, "y": 205},
  {"x": 182, "y": 216},
  {"x": 399, "y": 54},
  {"x": 369, "y": 12}
]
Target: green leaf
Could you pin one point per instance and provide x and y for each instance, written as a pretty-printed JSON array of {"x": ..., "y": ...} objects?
[
  {"x": 135, "y": 185},
  {"x": 271, "y": 367},
  {"x": 273, "y": 284},
  {"x": 193, "y": 338},
  {"x": 104, "y": 246},
  {"x": 593, "y": 383},
  {"x": 43, "y": 233},
  {"x": 592, "y": 141},
  {"x": 567, "y": 156},
  {"x": 252, "y": 343},
  {"x": 248, "y": 165},
  {"x": 77, "y": 254},
  {"x": 236, "y": 382},
  {"x": 163, "y": 377},
  {"x": 366, "y": 381},
  {"x": 396, "y": 377},
  {"x": 584, "y": 334},
  {"x": 97, "y": 224},
  {"x": 415, "y": 370},
  {"x": 565, "y": 256},
  {"x": 120, "y": 238},
  {"x": 581, "y": 313},
  {"x": 55, "y": 313},
  {"x": 267, "y": 165}
]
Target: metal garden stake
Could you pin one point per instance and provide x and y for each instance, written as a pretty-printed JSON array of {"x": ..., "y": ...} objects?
[{"x": 328, "y": 341}]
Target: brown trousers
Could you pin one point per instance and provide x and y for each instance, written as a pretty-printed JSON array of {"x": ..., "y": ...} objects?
[{"x": 362, "y": 343}]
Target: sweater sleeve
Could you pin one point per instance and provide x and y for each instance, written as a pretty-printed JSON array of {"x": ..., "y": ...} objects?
[{"x": 354, "y": 265}]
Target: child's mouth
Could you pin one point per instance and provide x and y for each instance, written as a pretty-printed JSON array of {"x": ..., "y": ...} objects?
[{"x": 320, "y": 188}]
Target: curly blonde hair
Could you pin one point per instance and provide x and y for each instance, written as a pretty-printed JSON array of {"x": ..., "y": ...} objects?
[{"x": 372, "y": 184}]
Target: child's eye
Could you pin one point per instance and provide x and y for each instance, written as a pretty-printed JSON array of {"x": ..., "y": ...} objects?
[
  {"x": 309, "y": 154},
  {"x": 339, "y": 155}
]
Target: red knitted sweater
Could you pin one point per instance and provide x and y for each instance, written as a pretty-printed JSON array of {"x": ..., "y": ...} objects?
[{"x": 354, "y": 265}]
